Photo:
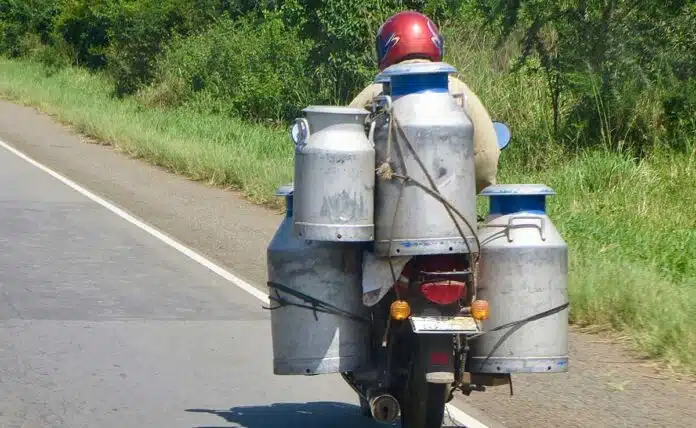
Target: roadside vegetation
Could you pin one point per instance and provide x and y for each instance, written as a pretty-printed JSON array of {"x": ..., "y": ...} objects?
[{"x": 600, "y": 98}]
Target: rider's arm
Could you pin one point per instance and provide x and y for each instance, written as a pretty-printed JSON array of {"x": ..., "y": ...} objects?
[
  {"x": 364, "y": 98},
  {"x": 485, "y": 142}
]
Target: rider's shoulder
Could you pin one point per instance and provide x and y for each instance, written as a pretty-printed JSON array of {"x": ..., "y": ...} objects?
[
  {"x": 457, "y": 85},
  {"x": 366, "y": 95}
]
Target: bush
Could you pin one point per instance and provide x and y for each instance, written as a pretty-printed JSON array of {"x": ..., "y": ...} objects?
[
  {"x": 21, "y": 20},
  {"x": 125, "y": 37},
  {"x": 343, "y": 57},
  {"x": 143, "y": 29},
  {"x": 611, "y": 68},
  {"x": 252, "y": 68},
  {"x": 84, "y": 25}
]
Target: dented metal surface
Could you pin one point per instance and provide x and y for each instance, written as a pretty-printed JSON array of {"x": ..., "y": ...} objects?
[
  {"x": 334, "y": 176},
  {"x": 442, "y": 135},
  {"x": 523, "y": 272},
  {"x": 307, "y": 342}
]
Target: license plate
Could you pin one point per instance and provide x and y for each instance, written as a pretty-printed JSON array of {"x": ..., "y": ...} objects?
[{"x": 446, "y": 325}]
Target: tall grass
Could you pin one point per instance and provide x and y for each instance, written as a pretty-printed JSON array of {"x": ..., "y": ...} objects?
[
  {"x": 629, "y": 225},
  {"x": 632, "y": 237},
  {"x": 220, "y": 150}
]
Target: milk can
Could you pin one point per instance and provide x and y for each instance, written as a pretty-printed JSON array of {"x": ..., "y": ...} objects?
[
  {"x": 442, "y": 137},
  {"x": 334, "y": 175},
  {"x": 523, "y": 272},
  {"x": 308, "y": 342}
]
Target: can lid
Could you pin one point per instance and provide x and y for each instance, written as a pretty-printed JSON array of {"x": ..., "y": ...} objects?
[
  {"x": 517, "y": 190},
  {"x": 335, "y": 109},
  {"x": 286, "y": 189},
  {"x": 419, "y": 77},
  {"x": 417, "y": 68},
  {"x": 382, "y": 78},
  {"x": 517, "y": 198}
]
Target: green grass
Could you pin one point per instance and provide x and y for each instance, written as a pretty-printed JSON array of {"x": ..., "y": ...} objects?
[
  {"x": 632, "y": 235},
  {"x": 631, "y": 227},
  {"x": 219, "y": 150}
]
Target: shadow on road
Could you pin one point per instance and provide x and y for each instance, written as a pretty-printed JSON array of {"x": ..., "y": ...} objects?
[
  {"x": 322, "y": 414},
  {"x": 296, "y": 415}
]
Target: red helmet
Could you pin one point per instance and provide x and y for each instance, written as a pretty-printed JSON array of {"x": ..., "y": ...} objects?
[{"x": 408, "y": 35}]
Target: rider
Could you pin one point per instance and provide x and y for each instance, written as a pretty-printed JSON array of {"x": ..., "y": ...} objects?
[{"x": 409, "y": 37}]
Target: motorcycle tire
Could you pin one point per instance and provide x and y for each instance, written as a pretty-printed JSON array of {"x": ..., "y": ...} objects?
[
  {"x": 423, "y": 403},
  {"x": 365, "y": 408}
]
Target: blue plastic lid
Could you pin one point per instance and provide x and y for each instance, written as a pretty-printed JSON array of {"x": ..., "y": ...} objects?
[
  {"x": 516, "y": 198},
  {"x": 517, "y": 189},
  {"x": 287, "y": 190},
  {"x": 381, "y": 78},
  {"x": 412, "y": 68},
  {"x": 419, "y": 77}
]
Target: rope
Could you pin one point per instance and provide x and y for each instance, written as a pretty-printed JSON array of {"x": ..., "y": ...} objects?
[
  {"x": 314, "y": 304},
  {"x": 386, "y": 172},
  {"x": 516, "y": 325}
]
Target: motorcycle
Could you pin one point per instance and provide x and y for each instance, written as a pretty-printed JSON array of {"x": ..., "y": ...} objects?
[
  {"x": 420, "y": 331},
  {"x": 408, "y": 318}
]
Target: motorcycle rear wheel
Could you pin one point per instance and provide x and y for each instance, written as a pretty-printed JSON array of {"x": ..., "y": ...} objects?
[{"x": 422, "y": 403}]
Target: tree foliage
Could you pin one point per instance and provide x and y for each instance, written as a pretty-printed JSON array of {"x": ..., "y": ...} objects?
[
  {"x": 616, "y": 65},
  {"x": 616, "y": 72}
]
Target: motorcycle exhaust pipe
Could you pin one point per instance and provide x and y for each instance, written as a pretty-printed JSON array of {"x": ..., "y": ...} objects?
[{"x": 385, "y": 408}]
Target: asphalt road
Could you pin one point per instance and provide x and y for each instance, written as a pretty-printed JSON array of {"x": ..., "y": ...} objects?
[{"x": 104, "y": 325}]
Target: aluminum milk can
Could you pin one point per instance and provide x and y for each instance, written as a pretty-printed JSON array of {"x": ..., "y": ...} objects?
[
  {"x": 523, "y": 272},
  {"x": 442, "y": 136},
  {"x": 330, "y": 272},
  {"x": 334, "y": 175}
]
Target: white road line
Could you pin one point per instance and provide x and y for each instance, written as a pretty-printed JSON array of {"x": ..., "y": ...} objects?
[
  {"x": 147, "y": 228},
  {"x": 459, "y": 416},
  {"x": 463, "y": 419}
]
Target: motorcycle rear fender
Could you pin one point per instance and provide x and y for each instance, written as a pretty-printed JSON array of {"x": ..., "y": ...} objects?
[{"x": 440, "y": 359}]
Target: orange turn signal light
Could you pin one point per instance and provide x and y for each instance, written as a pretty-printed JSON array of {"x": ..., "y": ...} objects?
[
  {"x": 480, "y": 310},
  {"x": 399, "y": 310}
]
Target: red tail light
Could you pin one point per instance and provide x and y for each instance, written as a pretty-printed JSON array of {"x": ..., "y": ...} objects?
[
  {"x": 443, "y": 293},
  {"x": 439, "y": 358}
]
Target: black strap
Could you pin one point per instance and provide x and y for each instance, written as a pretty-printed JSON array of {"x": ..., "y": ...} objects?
[
  {"x": 314, "y": 304},
  {"x": 516, "y": 325}
]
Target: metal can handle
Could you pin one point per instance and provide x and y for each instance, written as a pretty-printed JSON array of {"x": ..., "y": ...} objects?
[
  {"x": 286, "y": 189},
  {"x": 465, "y": 100},
  {"x": 541, "y": 227},
  {"x": 387, "y": 99},
  {"x": 371, "y": 133},
  {"x": 299, "y": 132}
]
